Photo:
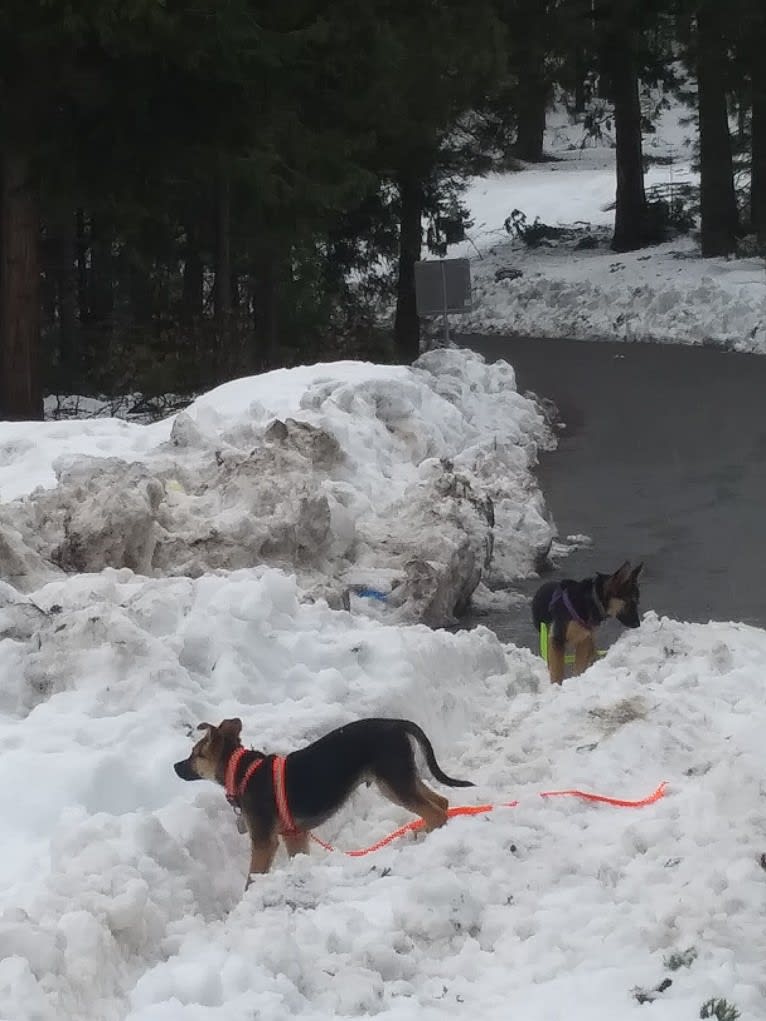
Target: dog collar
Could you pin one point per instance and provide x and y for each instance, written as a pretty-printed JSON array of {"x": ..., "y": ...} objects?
[
  {"x": 597, "y": 601},
  {"x": 234, "y": 790}
]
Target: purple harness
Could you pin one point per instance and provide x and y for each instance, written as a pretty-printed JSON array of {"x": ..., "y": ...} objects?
[{"x": 563, "y": 595}]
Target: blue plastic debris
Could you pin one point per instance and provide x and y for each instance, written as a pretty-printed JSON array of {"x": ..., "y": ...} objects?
[{"x": 370, "y": 593}]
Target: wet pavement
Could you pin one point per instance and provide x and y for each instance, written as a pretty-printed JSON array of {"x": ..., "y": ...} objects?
[{"x": 663, "y": 459}]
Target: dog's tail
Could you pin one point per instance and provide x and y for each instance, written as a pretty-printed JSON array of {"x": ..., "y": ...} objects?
[{"x": 428, "y": 750}]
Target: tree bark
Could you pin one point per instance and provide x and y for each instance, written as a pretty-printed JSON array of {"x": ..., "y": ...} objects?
[
  {"x": 530, "y": 124},
  {"x": 101, "y": 275},
  {"x": 20, "y": 385},
  {"x": 63, "y": 258},
  {"x": 141, "y": 292},
  {"x": 266, "y": 308},
  {"x": 718, "y": 203},
  {"x": 758, "y": 142},
  {"x": 630, "y": 217},
  {"x": 192, "y": 296},
  {"x": 82, "y": 265},
  {"x": 222, "y": 294},
  {"x": 580, "y": 71},
  {"x": 407, "y": 323}
]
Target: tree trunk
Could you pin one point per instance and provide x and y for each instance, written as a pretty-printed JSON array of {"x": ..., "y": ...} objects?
[
  {"x": 407, "y": 323},
  {"x": 718, "y": 203},
  {"x": 192, "y": 296},
  {"x": 530, "y": 124},
  {"x": 141, "y": 291},
  {"x": 222, "y": 294},
  {"x": 266, "y": 301},
  {"x": 20, "y": 386},
  {"x": 580, "y": 71},
  {"x": 630, "y": 217},
  {"x": 62, "y": 260},
  {"x": 101, "y": 276},
  {"x": 758, "y": 172},
  {"x": 82, "y": 265}
]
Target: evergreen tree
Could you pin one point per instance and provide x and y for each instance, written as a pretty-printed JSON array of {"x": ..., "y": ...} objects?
[
  {"x": 620, "y": 23},
  {"x": 443, "y": 58},
  {"x": 755, "y": 27}
]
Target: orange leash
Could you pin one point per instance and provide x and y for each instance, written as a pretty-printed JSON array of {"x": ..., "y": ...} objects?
[
  {"x": 602, "y": 799},
  {"x": 417, "y": 824}
]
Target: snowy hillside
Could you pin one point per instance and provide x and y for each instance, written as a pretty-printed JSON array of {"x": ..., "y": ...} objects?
[{"x": 576, "y": 286}]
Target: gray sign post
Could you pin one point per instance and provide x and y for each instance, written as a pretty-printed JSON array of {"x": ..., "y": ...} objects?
[{"x": 443, "y": 287}]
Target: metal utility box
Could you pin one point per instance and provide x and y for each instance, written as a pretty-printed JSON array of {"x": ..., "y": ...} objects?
[{"x": 443, "y": 286}]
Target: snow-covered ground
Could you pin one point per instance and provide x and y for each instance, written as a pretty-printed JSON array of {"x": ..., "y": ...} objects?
[
  {"x": 666, "y": 293},
  {"x": 122, "y": 887},
  {"x": 136, "y": 612}
]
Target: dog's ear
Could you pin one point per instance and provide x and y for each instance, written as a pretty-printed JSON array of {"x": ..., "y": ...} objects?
[
  {"x": 617, "y": 581},
  {"x": 231, "y": 728},
  {"x": 205, "y": 726},
  {"x": 635, "y": 574},
  {"x": 621, "y": 574}
]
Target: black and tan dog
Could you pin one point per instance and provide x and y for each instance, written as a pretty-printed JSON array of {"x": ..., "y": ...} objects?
[
  {"x": 572, "y": 610},
  {"x": 287, "y": 797}
]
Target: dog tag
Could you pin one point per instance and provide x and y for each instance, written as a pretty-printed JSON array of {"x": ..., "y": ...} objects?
[{"x": 241, "y": 825}]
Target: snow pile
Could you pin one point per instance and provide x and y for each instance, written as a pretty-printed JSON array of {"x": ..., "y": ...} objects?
[
  {"x": 122, "y": 893},
  {"x": 416, "y": 482},
  {"x": 663, "y": 294},
  {"x": 564, "y": 288}
]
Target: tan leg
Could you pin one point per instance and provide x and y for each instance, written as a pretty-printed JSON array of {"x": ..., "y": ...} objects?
[
  {"x": 296, "y": 843},
  {"x": 437, "y": 799},
  {"x": 555, "y": 662},
  {"x": 420, "y": 803},
  {"x": 433, "y": 813},
  {"x": 261, "y": 856},
  {"x": 585, "y": 654}
]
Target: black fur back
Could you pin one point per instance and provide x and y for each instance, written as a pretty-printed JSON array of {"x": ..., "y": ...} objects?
[{"x": 541, "y": 604}]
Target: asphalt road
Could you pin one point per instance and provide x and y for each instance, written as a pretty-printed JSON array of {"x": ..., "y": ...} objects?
[{"x": 663, "y": 459}]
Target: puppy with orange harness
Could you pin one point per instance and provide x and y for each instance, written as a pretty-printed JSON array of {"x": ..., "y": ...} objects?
[{"x": 286, "y": 797}]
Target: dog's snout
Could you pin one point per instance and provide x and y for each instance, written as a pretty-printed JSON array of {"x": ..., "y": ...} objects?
[
  {"x": 629, "y": 618},
  {"x": 185, "y": 771}
]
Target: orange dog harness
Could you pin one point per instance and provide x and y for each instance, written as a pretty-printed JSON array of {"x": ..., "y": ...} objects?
[
  {"x": 286, "y": 822},
  {"x": 235, "y": 791}
]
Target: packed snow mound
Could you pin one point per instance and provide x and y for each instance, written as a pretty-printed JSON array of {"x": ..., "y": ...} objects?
[
  {"x": 123, "y": 886},
  {"x": 417, "y": 482},
  {"x": 661, "y": 294}
]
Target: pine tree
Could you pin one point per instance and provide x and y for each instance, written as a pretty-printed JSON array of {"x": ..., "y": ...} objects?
[
  {"x": 718, "y": 204},
  {"x": 755, "y": 26},
  {"x": 441, "y": 61},
  {"x": 619, "y": 25}
]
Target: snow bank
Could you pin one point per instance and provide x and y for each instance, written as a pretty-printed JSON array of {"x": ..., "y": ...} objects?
[
  {"x": 665, "y": 294},
  {"x": 417, "y": 482},
  {"x": 122, "y": 886}
]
